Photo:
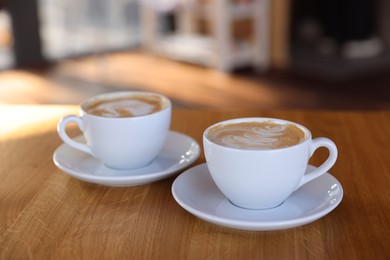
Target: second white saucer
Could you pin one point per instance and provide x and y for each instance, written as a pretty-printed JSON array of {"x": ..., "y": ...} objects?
[
  {"x": 178, "y": 152},
  {"x": 195, "y": 191}
]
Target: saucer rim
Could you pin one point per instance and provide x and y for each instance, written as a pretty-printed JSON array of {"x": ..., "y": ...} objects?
[
  {"x": 131, "y": 180},
  {"x": 249, "y": 224}
]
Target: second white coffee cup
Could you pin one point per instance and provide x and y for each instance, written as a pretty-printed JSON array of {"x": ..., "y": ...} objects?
[
  {"x": 261, "y": 178},
  {"x": 127, "y": 132}
]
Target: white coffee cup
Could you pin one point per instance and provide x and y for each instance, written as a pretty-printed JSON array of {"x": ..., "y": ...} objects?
[
  {"x": 121, "y": 141},
  {"x": 263, "y": 178}
]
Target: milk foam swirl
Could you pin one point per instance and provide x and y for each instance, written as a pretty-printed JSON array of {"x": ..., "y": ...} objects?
[
  {"x": 131, "y": 106},
  {"x": 256, "y": 135},
  {"x": 118, "y": 108}
]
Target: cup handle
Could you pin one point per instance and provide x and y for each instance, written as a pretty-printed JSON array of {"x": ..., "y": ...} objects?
[
  {"x": 314, "y": 145},
  {"x": 61, "y": 129}
]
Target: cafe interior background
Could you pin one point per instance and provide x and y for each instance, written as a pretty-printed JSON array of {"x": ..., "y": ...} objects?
[{"x": 256, "y": 54}]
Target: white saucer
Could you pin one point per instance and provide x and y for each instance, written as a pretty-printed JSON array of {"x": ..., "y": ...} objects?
[
  {"x": 196, "y": 192},
  {"x": 178, "y": 152}
]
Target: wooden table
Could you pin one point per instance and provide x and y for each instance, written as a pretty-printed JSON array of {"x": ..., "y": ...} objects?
[{"x": 46, "y": 214}]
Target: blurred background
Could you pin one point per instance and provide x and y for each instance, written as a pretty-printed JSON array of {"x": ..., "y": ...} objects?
[{"x": 263, "y": 54}]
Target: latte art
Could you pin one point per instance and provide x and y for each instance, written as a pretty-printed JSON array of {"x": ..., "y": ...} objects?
[
  {"x": 131, "y": 106},
  {"x": 256, "y": 135}
]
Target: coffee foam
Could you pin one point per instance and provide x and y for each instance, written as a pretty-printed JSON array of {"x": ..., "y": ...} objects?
[
  {"x": 119, "y": 108},
  {"x": 256, "y": 135},
  {"x": 131, "y": 106}
]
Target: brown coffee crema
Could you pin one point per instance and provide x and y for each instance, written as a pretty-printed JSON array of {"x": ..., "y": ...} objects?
[
  {"x": 127, "y": 106},
  {"x": 256, "y": 135}
]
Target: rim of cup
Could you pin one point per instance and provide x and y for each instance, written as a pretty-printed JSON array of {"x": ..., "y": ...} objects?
[
  {"x": 306, "y": 131},
  {"x": 118, "y": 94}
]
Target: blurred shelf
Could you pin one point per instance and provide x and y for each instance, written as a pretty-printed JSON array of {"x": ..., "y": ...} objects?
[{"x": 219, "y": 48}]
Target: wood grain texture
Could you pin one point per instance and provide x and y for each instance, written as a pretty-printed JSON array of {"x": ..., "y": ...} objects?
[{"x": 46, "y": 214}]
